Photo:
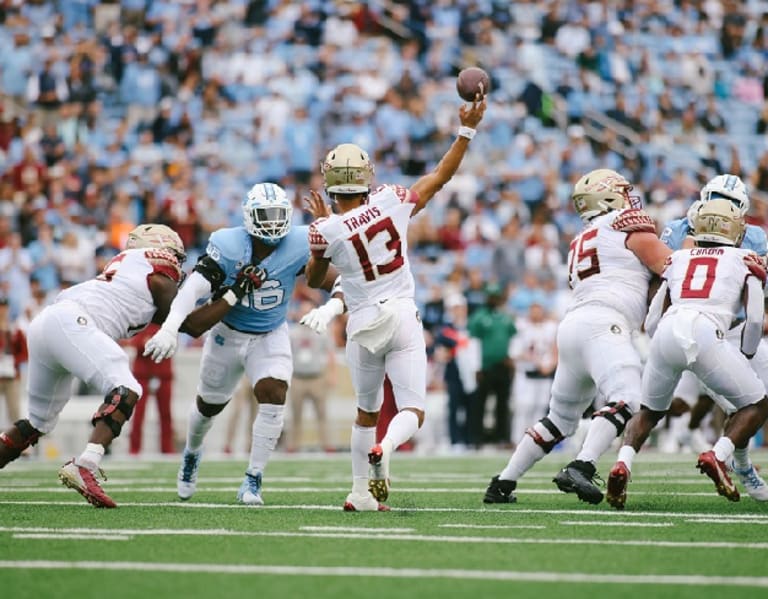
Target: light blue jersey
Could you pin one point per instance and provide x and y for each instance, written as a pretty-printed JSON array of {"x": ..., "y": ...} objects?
[
  {"x": 266, "y": 308},
  {"x": 676, "y": 231}
]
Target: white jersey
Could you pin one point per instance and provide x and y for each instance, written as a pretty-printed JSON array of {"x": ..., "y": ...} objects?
[
  {"x": 709, "y": 281},
  {"x": 119, "y": 300},
  {"x": 368, "y": 246},
  {"x": 533, "y": 345},
  {"x": 601, "y": 270}
]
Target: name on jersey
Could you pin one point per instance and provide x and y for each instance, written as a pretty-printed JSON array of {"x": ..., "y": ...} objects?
[
  {"x": 707, "y": 252},
  {"x": 365, "y": 217}
]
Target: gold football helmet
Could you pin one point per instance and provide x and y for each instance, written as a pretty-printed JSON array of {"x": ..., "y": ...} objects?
[
  {"x": 601, "y": 191},
  {"x": 347, "y": 169},
  {"x": 719, "y": 221},
  {"x": 156, "y": 236}
]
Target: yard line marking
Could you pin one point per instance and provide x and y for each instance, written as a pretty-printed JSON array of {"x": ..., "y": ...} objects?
[
  {"x": 346, "y": 571},
  {"x": 725, "y": 520},
  {"x": 448, "y": 510},
  {"x": 410, "y": 537},
  {"x": 639, "y": 524},
  {"x": 494, "y": 526},
  {"x": 74, "y": 536},
  {"x": 355, "y": 529}
]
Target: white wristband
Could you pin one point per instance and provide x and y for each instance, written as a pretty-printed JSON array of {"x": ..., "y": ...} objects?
[
  {"x": 467, "y": 132},
  {"x": 229, "y": 297}
]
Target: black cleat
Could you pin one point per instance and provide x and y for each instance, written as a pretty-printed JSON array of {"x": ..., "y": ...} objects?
[
  {"x": 500, "y": 491},
  {"x": 579, "y": 477}
]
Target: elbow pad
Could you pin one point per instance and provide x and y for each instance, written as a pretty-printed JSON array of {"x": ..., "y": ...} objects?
[{"x": 210, "y": 270}]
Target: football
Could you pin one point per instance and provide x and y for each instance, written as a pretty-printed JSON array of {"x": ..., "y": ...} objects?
[{"x": 471, "y": 81}]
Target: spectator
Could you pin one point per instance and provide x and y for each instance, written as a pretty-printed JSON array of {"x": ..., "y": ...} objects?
[
  {"x": 13, "y": 353},
  {"x": 494, "y": 328},
  {"x": 157, "y": 380}
]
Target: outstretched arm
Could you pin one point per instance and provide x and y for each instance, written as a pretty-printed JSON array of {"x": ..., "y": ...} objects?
[
  {"x": 649, "y": 249},
  {"x": 426, "y": 187}
]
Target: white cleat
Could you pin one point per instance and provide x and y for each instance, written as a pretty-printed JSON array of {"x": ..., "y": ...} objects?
[
  {"x": 753, "y": 483},
  {"x": 363, "y": 502},
  {"x": 186, "y": 481},
  {"x": 250, "y": 491}
]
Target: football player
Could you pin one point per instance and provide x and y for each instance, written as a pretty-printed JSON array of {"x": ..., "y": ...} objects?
[
  {"x": 703, "y": 289},
  {"x": 76, "y": 337},
  {"x": 610, "y": 264},
  {"x": 252, "y": 337},
  {"x": 367, "y": 242},
  {"x": 678, "y": 235}
]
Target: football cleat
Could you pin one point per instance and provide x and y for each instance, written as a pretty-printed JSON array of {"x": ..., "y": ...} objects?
[
  {"x": 363, "y": 502},
  {"x": 250, "y": 491},
  {"x": 84, "y": 482},
  {"x": 716, "y": 470},
  {"x": 753, "y": 483},
  {"x": 500, "y": 491},
  {"x": 186, "y": 480},
  {"x": 616, "y": 491},
  {"x": 378, "y": 473},
  {"x": 579, "y": 477}
]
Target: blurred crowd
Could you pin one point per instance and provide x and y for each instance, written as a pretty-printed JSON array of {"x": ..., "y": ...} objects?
[{"x": 116, "y": 113}]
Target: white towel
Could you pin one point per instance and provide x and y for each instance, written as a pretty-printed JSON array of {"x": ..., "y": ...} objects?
[
  {"x": 378, "y": 332},
  {"x": 685, "y": 321}
]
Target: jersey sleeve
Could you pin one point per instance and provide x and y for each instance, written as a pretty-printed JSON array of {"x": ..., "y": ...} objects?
[
  {"x": 220, "y": 250},
  {"x": 317, "y": 241},
  {"x": 674, "y": 234},
  {"x": 755, "y": 240},
  {"x": 634, "y": 221},
  {"x": 405, "y": 195},
  {"x": 164, "y": 262}
]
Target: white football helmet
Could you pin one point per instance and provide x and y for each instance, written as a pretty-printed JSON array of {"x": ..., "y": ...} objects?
[
  {"x": 729, "y": 187},
  {"x": 347, "y": 169},
  {"x": 719, "y": 221},
  {"x": 691, "y": 214},
  {"x": 267, "y": 212},
  {"x": 153, "y": 235},
  {"x": 601, "y": 191}
]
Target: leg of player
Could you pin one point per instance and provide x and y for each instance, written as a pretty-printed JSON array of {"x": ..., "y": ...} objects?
[
  {"x": 362, "y": 439},
  {"x": 201, "y": 417},
  {"x": 266, "y": 431},
  {"x": 401, "y": 428},
  {"x": 637, "y": 432},
  {"x": 82, "y": 472},
  {"x": 744, "y": 423},
  {"x": 14, "y": 440}
]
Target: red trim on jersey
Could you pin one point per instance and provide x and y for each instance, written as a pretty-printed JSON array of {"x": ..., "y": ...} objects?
[
  {"x": 634, "y": 221},
  {"x": 317, "y": 241}
]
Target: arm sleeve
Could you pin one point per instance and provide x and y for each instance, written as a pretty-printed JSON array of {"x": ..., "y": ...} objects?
[
  {"x": 656, "y": 309},
  {"x": 753, "y": 327},
  {"x": 195, "y": 287},
  {"x": 317, "y": 242}
]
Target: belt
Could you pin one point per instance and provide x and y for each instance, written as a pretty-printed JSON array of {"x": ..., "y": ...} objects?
[
  {"x": 535, "y": 374},
  {"x": 229, "y": 326}
]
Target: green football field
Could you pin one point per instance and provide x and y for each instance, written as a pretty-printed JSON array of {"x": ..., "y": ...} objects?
[{"x": 676, "y": 538}]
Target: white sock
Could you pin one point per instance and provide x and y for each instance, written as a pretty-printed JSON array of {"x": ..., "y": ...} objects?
[
  {"x": 627, "y": 454},
  {"x": 91, "y": 457},
  {"x": 524, "y": 457},
  {"x": 723, "y": 449},
  {"x": 197, "y": 427},
  {"x": 360, "y": 444},
  {"x": 264, "y": 435},
  {"x": 402, "y": 427},
  {"x": 600, "y": 435},
  {"x": 741, "y": 459}
]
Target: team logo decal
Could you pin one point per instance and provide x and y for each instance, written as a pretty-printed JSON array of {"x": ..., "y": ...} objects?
[{"x": 81, "y": 320}]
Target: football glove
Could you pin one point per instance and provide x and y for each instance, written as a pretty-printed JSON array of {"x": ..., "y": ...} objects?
[
  {"x": 161, "y": 345},
  {"x": 318, "y": 318},
  {"x": 248, "y": 279}
]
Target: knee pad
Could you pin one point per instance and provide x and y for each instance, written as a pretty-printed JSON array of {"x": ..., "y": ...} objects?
[
  {"x": 545, "y": 434},
  {"x": 117, "y": 399},
  {"x": 617, "y": 413}
]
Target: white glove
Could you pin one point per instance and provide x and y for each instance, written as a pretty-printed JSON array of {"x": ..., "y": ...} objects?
[
  {"x": 161, "y": 345},
  {"x": 318, "y": 319}
]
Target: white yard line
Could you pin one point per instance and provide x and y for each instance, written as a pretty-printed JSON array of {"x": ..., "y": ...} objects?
[
  {"x": 638, "y": 524},
  {"x": 344, "y": 571},
  {"x": 494, "y": 526},
  {"x": 509, "y": 510},
  {"x": 74, "y": 536},
  {"x": 356, "y": 529},
  {"x": 401, "y": 537}
]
